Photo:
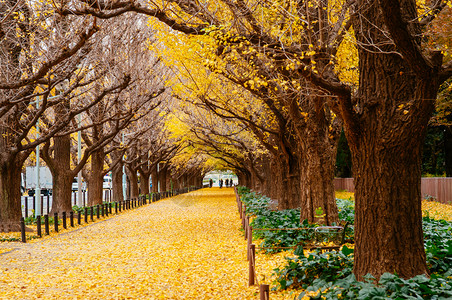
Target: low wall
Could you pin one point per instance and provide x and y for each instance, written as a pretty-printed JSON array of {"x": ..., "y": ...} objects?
[{"x": 438, "y": 187}]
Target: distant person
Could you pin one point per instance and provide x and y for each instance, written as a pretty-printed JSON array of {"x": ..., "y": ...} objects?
[
  {"x": 227, "y": 182},
  {"x": 210, "y": 182},
  {"x": 221, "y": 183}
]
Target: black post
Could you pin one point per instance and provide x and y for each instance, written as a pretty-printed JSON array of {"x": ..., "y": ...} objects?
[
  {"x": 64, "y": 220},
  {"x": 42, "y": 205},
  {"x": 55, "y": 221},
  {"x": 46, "y": 224},
  {"x": 106, "y": 209},
  {"x": 86, "y": 214},
  {"x": 22, "y": 229},
  {"x": 109, "y": 207},
  {"x": 26, "y": 207},
  {"x": 102, "y": 209},
  {"x": 38, "y": 226},
  {"x": 34, "y": 203},
  {"x": 92, "y": 213},
  {"x": 48, "y": 204},
  {"x": 71, "y": 217},
  {"x": 116, "y": 207},
  {"x": 79, "y": 217},
  {"x": 98, "y": 211}
]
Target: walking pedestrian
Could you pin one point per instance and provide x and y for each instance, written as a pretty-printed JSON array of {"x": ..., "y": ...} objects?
[{"x": 210, "y": 182}]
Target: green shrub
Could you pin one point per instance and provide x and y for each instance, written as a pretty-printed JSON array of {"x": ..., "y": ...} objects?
[
  {"x": 438, "y": 245},
  {"x": 388, "y": 287},
  {"x": 301, "y": 271}
]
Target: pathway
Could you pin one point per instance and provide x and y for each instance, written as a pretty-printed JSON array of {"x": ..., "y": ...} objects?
[{"x": 185, "y": 247}]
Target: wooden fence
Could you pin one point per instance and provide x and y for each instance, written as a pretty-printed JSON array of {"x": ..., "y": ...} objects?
[{"x": 440, "y": 188}]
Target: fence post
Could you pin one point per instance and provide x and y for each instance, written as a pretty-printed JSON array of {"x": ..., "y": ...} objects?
[
  {"x": 46, "y": 224},
  {"x": 71, "y": 217},
  {"x": 251, "y": 264},
  {"x": 38, "y": 226},
  {"x": 55, "y": 221},
  {"x": 249, "y": 240},
  {"x": 86, "y": 214},
  {"x": 48, "y": 204},
  {"x": 64, "y": 220},
  {"x": 79, "y": 217},
  {"x": 42, "y": 205},
  {"x": 92, "y": 213},
  {"x": 98, "y": 211},
  {"x": 22, "y": 230},
  {"x": 26, "y": 207},
  {"x": 243, "y": 220},
  {"x": 264, "y": 292}
]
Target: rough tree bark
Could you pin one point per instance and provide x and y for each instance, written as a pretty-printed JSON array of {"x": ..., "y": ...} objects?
[
  {"x": 144, "y": 183},
  {"x": 133, "y": 178},
  {"x": 10, "y": 203},
  {"x": 117, "y": 174},
  {"x": 394, "y": 105},
  {"x": 155, "y": 180},
  {"x": 62, "y": 175},
  {"x": 162, "y": 177},
  {"x": 448, "y": 150},
  {"x": 95, "y": 178}
]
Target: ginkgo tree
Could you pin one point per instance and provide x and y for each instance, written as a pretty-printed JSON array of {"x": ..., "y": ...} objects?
[
  {"x": 38, "y": 54},
  {"x": 209, "y": 145},
  {"x": 385, "y": 116},
  {"x": 301, "y": 145}
]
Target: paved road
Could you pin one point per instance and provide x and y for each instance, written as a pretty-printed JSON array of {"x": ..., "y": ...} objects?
[{"x": 185, "y": 247}]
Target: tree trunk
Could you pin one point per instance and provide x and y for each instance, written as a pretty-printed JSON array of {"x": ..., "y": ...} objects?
[
  {"x": 388, "y": 225},
  {"x": 155, "y": 181},
  {"x": 10, "y": 203},
  {"x": 318, "y": 201},
  {"x": 144, "y": 183},
  {"x": 448, "y": 150},
  {"x": 133, "y": 178},
  {"x": 162, "y": 179},
  {"x": 393, "y": 107},
  {"x": 62, "y": 175},
  {"x": 287, "y": 182},
  {"x": 96, "y": 179},
  {"x": 117, "y": 174}
]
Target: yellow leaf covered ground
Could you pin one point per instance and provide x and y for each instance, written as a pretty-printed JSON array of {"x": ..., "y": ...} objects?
[
  {"x": 435, "y": 210},
  {"x": 185, "y": 247}
]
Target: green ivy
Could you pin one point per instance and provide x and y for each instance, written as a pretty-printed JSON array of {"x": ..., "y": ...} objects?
[
  {"x": 389, "y": 286},
  {"x": 301, "y": 271}
]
